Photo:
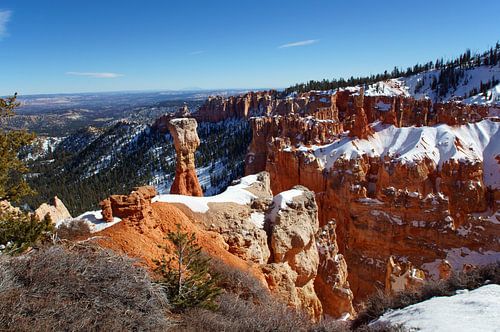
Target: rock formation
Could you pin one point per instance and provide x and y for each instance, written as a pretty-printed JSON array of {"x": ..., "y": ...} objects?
[
  {"x": 402, "y": 276},
  {"x": 141, "y": 233},
  {"x": 391, "y": 204},
  {"x": 294, "y": 257},
  {"x": 136, "y": 206},
  {"x": 360, "y": 127},
  {"x": 55, "y": 209},
  {"x": 331, "y": 284},
  {"x": 186, "y": 141}
]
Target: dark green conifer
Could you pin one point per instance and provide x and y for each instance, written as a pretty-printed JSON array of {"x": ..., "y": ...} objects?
[{"x": 185, "y": 277}]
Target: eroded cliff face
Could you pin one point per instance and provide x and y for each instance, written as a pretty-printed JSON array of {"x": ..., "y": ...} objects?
[
  {"x": 186, "y": 141},
  {"x": 293, "y": 267},
  {"x": 278, "y": 235},
  {"x": 419, "y": 194}
]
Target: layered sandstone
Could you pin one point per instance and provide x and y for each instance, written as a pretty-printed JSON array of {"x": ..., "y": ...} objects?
[
  {"x": 360, "y": 127},
  {"x": 186, "y": 141},
  {"x": 331, "y": 284},
  {"x": 386, "y": 201},
  {"x": 302, "y": 263},
  {"x": 342, "y": 105}
]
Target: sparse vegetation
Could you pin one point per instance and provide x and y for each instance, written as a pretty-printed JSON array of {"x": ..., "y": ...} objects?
[{"x": 78, "y": 287}]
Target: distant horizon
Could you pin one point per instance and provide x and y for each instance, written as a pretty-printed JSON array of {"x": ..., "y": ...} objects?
[
  {"x": 99, "y": 47},
  {"x": 136, "y": 91}
]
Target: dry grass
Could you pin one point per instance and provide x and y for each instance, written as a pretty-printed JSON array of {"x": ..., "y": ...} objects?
[
  {"x": 380, "y": 302},
  {"x": 247, "y": 306},
  {"x": 78, "y": 288}
]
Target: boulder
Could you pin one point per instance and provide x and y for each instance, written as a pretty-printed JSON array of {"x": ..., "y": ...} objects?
[{"x": 55, "y": 208}]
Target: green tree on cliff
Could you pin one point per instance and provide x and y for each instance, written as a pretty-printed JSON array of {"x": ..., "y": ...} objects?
[
  {"x": 18, "y": 230},
  {"x": 12, "y": 184},
  {"x": 185, "y": 276}
]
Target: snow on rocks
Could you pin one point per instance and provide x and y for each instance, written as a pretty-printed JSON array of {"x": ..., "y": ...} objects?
[
  {"x": 93, "y": 219},
  {"x": 258, "y": 218},
  {"x": 458, "y": 257},
  {"x": 477, "y": 142},
  {"x": 233, "y": 194},
  {"x": 475, "y": 310},
  {"x": 282, "y": 200}
]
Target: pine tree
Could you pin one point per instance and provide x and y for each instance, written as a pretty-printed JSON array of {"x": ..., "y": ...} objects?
[
  {"x": 185, "y": 277},
  {"x": 20, "y": 230},
  {"x": 12, "y": 185}
]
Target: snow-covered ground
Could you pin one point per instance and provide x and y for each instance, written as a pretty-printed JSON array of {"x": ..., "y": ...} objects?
[
  {"x": 476, "y": 310},
  {"x": 94, "y": 220},
  {"x": 233, "y": 194},
  {"x": 474, "y": 142},
  {"x": 419, "y": 86}
]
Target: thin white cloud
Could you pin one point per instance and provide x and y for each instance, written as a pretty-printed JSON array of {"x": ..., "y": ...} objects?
[
  {"x": 4, "y": 19},
  {"x": 94, "y": 75},
  {"x": 300, "y": 43},
  {"x": 196, "y": 52}
]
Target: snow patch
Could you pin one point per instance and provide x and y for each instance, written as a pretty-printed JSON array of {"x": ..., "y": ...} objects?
[
  {"x": 257, "y": 218},
  {"x": 281, "y": 201},
  {"x": 93, "y": 219},
  {"x": 233, "y": 194},
  {"x": 475, "y": 310},
  {"x": 478, "y": 142}
]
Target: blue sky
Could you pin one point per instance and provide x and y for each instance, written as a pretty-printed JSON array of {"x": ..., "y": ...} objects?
[{"x": 108, "y": 45}]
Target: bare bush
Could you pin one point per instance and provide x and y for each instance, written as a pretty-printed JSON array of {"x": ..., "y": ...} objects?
[
  {"x": 72, "y": 228},
  {"x": 78, "y": 288},
  {"x": 247, "y": 305},
  {"x": 241, "y": 283}
]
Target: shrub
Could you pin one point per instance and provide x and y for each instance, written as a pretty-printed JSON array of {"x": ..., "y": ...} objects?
[
  {"x": 239, "y": 282},
  {"x": 19, "y": 231},
  {"x": 247, "y": 305},
  {"x": 185, "y": 276},
  {"x": 78, "y": 288},
  {"x": 72, "y": 228}
]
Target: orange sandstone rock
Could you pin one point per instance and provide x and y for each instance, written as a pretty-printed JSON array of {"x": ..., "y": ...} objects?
[{"x": 186, "y": 141}]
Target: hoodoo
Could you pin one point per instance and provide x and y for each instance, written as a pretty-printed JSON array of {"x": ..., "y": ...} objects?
[{"x": 186, "y": 141}]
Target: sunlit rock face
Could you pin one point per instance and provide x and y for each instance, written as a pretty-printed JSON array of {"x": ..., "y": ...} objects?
[{"x": 186, "y": 141}]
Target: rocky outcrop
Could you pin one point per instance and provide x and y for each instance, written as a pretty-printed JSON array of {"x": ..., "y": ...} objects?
[
  {"x": 141, "y": 233},
  {"x": 186, "y": 141},
  {"x": 293, "y": 224},
  {"x": 331, "y": 283},
  {"x": 402, "y": 276},
  {"x": 290, "y": 130},
  {"x": 134, "y": 207},
  {"x": 55, "y": 209},
  {"x": 6, "y": 207},
  {"x": 360, "y": 127},
  {"x": 399, "y": 110}
]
